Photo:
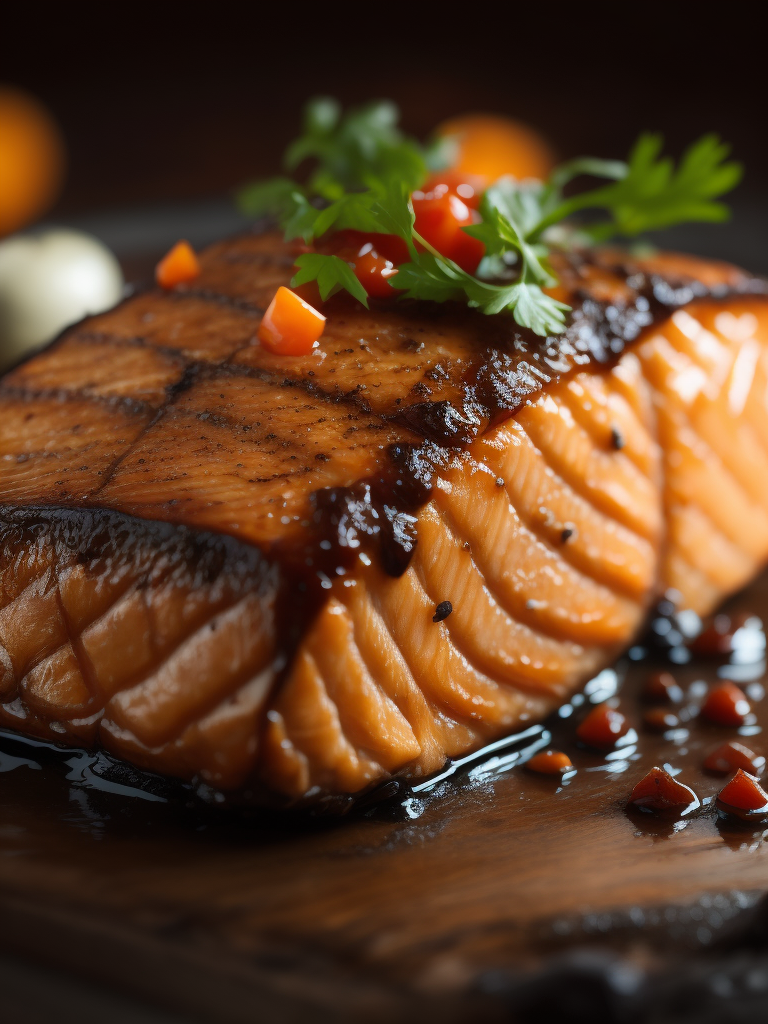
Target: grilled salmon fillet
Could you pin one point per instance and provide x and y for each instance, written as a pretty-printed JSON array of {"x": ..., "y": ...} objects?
[{"x": 226, "y": 565}]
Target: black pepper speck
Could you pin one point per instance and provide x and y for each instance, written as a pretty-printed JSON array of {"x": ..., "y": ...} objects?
[{"x": 442, "y": 611}]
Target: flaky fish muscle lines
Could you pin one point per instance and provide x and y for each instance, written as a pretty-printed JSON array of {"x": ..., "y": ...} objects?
[{"x": 224, "y": 563}]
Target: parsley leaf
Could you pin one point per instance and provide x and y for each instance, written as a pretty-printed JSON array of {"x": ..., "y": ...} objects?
[
  {"x": 654, "y": 195},
  {"x": 273, "y": 198},
  {"x": 365, "y": 169},
  {"x": 381, "y": 209},
  {"x": 650, "y": 193},
  {"x": 501, "y": 235},
  {"x": 431, "y": 276},
  {"x": 332, "y": 274},
  {"x": 352, "y": 150}
]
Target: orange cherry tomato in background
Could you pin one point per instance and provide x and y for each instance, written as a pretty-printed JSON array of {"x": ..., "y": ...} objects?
[
  {"x": 31, "y": 160},
  {"x": 490, "y": 146}
]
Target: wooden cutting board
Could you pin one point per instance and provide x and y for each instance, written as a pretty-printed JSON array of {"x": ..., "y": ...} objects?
[{"x": 233, "y": 919}]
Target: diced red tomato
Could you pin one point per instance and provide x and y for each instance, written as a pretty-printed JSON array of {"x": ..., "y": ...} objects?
[
  {"x": 730, "y": 756},
  {"x": 468, "y": 187},
  {"x": 290, "y": 326},
  {"x": 390, "y": 247},
  {"x": 374, "y": 272},
  {"x": 374, "y": 258},
  {"x": 440, "y": 217}
]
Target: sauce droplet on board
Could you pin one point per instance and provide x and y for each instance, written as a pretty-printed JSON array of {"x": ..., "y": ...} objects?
[
  {"x": 716, "y": 640},
  {"x": 730, "y": 756},
  {"x": 602, "y": 727},
  {"x": 743, "y": 797},
  {"x": 659, "y": 791},
  {"x": 662, "y": 687},
  {"x": 660, "y": 719},
  {"x": 726, "y": 705},
  {"x": 549, "y": 762}
]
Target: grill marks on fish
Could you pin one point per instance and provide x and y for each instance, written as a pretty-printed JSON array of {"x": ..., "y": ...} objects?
[
  {"x": 192, "y": 391},
  {"x": 164, "y": 590}
]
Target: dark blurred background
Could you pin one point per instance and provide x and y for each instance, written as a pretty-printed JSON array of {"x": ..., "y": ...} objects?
[{"x": 167, "y": 107}]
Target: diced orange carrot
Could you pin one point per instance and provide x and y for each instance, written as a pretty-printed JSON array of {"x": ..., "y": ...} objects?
[
  {"x": 178, "y": 266},
  {"x": 290, "y": 326}
]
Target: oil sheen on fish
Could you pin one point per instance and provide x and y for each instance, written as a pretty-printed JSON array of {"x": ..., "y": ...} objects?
[{"x": 224, "y": 564}]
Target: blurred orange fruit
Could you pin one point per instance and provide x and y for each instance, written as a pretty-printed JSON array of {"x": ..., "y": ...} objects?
[
  {"x": 490, "y": 146},
  {"x": 31, "y": 159}
]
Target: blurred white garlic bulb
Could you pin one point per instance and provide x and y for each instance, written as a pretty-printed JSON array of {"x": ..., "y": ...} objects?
[{"x": 49, "y": 280}]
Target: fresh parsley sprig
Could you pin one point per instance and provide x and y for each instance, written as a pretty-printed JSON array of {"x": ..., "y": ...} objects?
[
  {"x": 365, "y": 170},
  {"x": 648, "y": 192}
]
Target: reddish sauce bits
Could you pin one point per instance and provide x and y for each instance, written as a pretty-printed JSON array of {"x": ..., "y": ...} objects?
[
  {"x": 602, "y": 727},
  {"x": 660, "y": 719},
  {"x": 726, "y": 705},
  {"x": 730, "y": 756},
  {"x": 716, "y": 639},
  {"x": 743, "y": 797},
  {"x": 658, "y": 791},
  {"x": 549, "y": 762},
  {"x": 662, "y": 687}
]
